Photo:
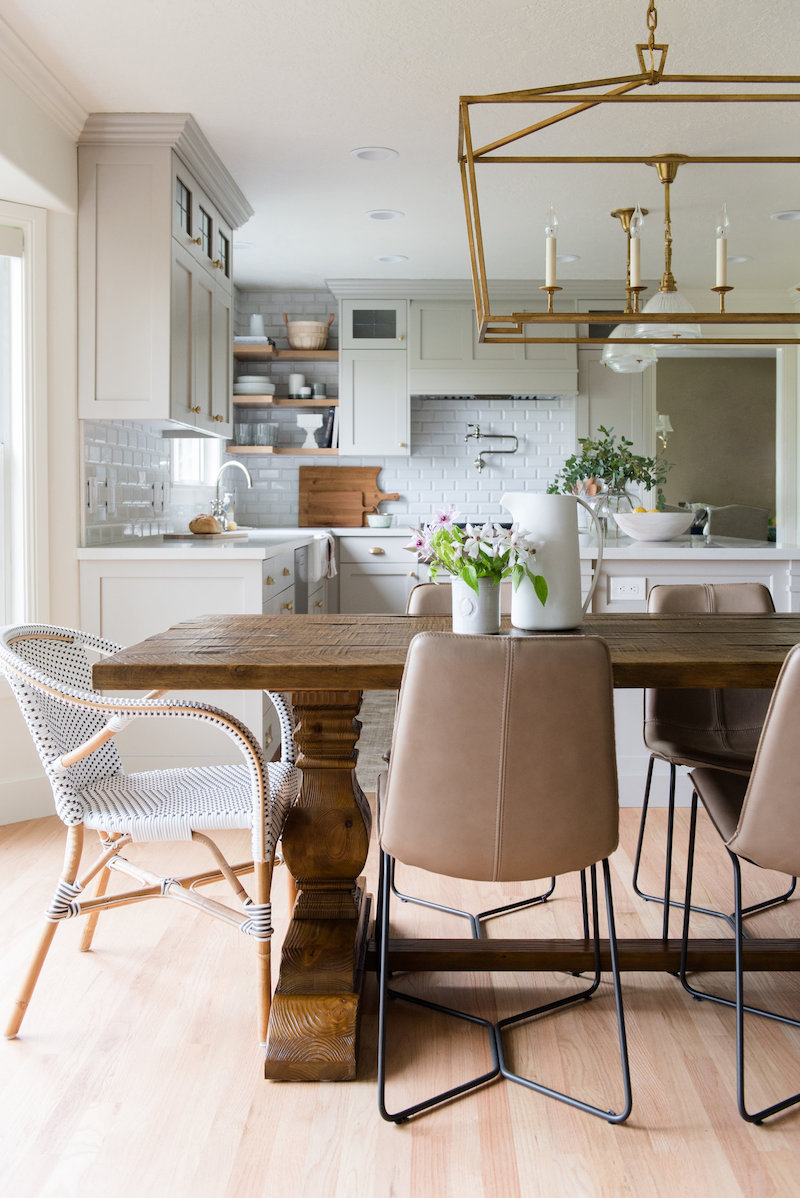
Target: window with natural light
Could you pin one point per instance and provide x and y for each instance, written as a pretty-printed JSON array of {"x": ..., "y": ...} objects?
[
  {"x": 195, "y": 460},
  {"x": 12, "y": 596}
]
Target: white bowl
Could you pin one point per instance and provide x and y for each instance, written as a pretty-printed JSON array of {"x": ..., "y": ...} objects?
[
  {"x": 653, "y": 526},
  {"x": 252, "y": 378},
  {"x": 379, "y": 519},
  {"x": 260, "y": 388}
]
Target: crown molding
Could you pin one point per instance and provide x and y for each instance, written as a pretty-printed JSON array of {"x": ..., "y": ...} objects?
[
  {"x": 180, "y": 131},
  {"x": 29, "y": 73}
]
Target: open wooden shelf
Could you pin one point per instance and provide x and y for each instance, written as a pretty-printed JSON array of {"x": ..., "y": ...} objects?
[
  {"x": 269, "y": 353},
  {"x": 269, "y": 401},
  {"x": 282, "y": 449}
]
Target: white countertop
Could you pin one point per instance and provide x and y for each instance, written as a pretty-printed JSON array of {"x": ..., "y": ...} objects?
[
  {"x": 688, "y": 548},
  {"x": 260, "y": 543}
]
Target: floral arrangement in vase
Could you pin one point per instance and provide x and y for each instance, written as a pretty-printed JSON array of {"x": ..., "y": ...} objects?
[
  {"x": 473, "y": 553},
  {"x": 607, "y": 462}
]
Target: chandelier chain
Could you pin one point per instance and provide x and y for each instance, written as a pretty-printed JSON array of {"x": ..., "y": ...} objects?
[{"x": 652, "y": 23}]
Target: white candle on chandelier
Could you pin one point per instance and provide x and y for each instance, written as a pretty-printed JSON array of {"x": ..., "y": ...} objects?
[
  {"x": 637, "y": 220},
  {"x": 722, "y": 248},
  {"x": 550, "y": 229}
]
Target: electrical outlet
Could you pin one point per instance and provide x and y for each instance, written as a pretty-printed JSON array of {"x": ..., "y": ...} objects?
[{"x": 627, "y": 588}]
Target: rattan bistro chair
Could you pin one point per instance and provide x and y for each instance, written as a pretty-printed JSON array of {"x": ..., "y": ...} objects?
[
  {"x": 434, "y": 599},
  {"x": 758, "y": 820},
  {"x": 718, "y": 728},
  {"x": 535, "y": 794},
  {"x": 49, "y": 670}
]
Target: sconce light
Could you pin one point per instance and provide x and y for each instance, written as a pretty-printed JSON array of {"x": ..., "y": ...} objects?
[{"x": 663, "y": 428}]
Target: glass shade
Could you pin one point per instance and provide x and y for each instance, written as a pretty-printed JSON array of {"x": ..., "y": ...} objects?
[
  {"x": 669, "y": 303},
  {"x": 627, "y": 359}
]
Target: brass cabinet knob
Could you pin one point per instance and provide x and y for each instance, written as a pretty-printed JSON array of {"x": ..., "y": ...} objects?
[
  {"x": 197, "y": 410},
  {"x": 219, "y": 265},
  {"x": 377, "y": 550},
  {"x": 196, "y": 241},
  {"x": 411, "y": 574},
  {"x": 217, "y": 417},
  {"x": 401, "y": 337},
  {"x": 402, "y": 444},
  {"x": 287, "y": 606},
  {"x": 286, "y": 571},
  {"x": 269, "y": 582},
  {"x": 318, "y": 603}
]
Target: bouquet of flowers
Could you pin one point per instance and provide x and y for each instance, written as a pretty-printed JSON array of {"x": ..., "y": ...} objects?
[{"x": 472, "y": 553}]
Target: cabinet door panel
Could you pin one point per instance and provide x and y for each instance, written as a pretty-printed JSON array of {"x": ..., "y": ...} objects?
[
  {"x": 373, "y": 324},
  {"x": 374, "y": 409},
  {"x": 181, "y": 329},
  {"x": 221, "y": 360},
  {"x": 202, "y": 346},
  {"x": 379, "y": 590}
]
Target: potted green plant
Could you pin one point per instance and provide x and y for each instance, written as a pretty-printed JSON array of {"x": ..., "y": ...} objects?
[{"x": 607, "y": 465}]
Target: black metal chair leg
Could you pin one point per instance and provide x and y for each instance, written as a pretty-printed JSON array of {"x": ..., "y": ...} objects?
[
  {"x": 609, "y": 1115},
  {"x": 475, "y": 921},
  {"x": 738, "y": 1003},
  {"x": 665, "y": 898},
  {"x": 384, "y": 993}
]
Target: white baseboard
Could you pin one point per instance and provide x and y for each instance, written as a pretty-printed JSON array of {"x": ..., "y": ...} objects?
[{"x": 25, "y": 798}]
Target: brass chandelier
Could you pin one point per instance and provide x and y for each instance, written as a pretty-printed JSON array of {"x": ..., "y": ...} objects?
[{"x": 667, "y": 318}]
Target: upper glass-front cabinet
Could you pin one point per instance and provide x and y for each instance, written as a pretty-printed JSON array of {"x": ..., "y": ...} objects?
[{"x": 374, "y": 324}]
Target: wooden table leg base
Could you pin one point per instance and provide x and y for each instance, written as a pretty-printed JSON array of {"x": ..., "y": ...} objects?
[{"x": 314, "y": 1021}]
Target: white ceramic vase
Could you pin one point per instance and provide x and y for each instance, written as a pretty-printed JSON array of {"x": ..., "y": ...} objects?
[{"x": 476, "y": 614}]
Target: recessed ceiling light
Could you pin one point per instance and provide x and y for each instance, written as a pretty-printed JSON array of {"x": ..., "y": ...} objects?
[
  {"x": 392, "y": 258},
  {"x": 374, "y": 153},
  {"x": 384, "y": 214},
  {"x": 736, "y": 258},
  {"x": 568, "y": 257},
  {"x": 790, "y": 214}
]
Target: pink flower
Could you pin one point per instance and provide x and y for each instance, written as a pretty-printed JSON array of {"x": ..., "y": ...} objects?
[{"x": 445, "y": 519}]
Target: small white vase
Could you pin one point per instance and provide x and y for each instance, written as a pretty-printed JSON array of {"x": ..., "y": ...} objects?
[{"x": 476, "y": 614}]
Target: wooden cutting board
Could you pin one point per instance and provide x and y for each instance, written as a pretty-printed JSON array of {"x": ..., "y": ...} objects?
[
  {"x": 339, "y": 509},
  {"x": 358, "y": 481}
]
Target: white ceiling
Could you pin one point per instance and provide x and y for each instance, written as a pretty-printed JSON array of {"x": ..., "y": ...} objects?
[{"x": 284, "y": 91}]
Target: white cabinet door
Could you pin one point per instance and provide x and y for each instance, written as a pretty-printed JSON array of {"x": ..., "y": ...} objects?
[
  {"x": 376, "y": 589},
  {"x": 373, "y": 324},
  {"x": 201, "y": 365},
  {"x": 374, "y": 406},
  {"x": 446, "y": 357}
]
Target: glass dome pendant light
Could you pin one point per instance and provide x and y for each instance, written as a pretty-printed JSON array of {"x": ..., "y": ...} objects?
[
  {"x": 668, "y": 300},
  {"x": 629, "y": 359}
]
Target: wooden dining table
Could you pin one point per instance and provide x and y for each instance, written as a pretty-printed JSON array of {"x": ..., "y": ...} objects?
[{"x": 325, "y": 662}]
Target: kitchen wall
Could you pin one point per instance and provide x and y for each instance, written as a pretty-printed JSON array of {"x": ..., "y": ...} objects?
[{"x": 128, "y": 463}]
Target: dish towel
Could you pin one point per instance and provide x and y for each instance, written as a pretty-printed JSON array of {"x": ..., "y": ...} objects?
[{"x": 330, "y": 555}]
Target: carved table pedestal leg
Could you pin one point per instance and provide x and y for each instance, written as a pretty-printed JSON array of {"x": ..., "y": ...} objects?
[{"x": 313, "y": 1027}]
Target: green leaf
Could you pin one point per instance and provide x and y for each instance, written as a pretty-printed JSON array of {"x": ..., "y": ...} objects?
[
  {"x": 540, "y": 587},
  {"x": 470, "y": 576}
]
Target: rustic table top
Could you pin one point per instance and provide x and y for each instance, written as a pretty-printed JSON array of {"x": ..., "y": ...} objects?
[{"x": 368, "y": 652}]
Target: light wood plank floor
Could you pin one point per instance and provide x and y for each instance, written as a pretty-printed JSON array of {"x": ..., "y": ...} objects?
[{"x": 137, "y": 1073}]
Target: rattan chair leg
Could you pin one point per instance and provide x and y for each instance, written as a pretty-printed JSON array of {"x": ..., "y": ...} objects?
[
  {"x": 91, "y": 920},
  {"x": 69, "y": 872}
]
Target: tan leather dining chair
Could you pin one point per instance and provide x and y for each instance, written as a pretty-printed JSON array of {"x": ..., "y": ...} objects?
[
  {"x": 717, "y": 728},
  {"x": 535, "y": 794},
  {"x": 434, "y": 599},
  {"x": 758, "y": 820}
]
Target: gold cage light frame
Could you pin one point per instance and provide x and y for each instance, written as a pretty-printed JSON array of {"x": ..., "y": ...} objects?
[{"x": 510, "y": 327}]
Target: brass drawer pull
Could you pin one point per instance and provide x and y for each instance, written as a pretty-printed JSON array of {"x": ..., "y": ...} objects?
[
  {"x": 269, "y": 582},
  {"x": 286, "y": 571},
  {"x": 377, "y": 550},
  {"x": 287, "y": 606}
]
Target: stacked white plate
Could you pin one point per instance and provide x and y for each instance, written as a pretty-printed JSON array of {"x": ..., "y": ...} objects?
[{"x": 253, "y": 384}]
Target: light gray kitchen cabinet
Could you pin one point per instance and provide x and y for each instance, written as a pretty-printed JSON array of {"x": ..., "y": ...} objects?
[
  {"x": 376, "y": 574},
  {"x": 155, "y": 219},
  {"x": 445, "y": 356},
  {"x": 373, "y": 324},
  {"x": 374, "y": 405}
]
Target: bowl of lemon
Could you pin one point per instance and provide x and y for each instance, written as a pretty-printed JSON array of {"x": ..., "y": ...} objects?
[{"x": 644, "y": 525}]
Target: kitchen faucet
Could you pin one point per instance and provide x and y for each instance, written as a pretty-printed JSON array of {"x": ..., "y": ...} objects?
[
  {"x": 218, "y": 505},
  {"x": 479, "y": 436}
]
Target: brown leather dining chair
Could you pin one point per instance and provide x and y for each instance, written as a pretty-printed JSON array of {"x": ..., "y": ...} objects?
[
  {"x": 515, "y": 803},
  {"x": 758, "y": 820},
  {"x": 434, "y": 599},
  {"x": 718, "y": 728}
]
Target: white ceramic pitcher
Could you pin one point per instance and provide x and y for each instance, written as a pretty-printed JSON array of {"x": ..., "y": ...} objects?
[{"x": 552, "y": 523}]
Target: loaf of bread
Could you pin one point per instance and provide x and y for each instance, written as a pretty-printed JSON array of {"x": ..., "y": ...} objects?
[{"x": 205, "y": 524}]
